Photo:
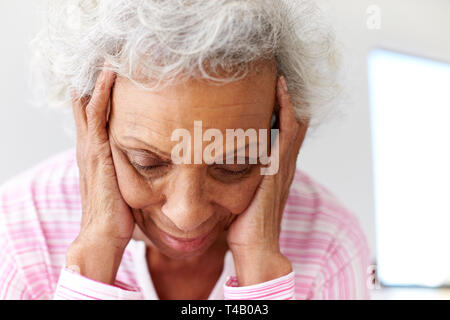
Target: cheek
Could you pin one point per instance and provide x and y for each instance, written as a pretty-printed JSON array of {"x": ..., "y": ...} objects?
[
  {"x": 237, "y": 197},
  {"x": 135, "y": 190}
]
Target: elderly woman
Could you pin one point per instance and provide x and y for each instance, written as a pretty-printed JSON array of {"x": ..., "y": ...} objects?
[{"x": 118, "y": 217}]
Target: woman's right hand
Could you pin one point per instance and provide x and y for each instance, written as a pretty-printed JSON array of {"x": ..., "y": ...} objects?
[{"x": 107, "y": 223}]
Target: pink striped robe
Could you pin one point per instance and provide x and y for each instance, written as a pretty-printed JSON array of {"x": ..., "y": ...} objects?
[{"x": 40, "y": 213}]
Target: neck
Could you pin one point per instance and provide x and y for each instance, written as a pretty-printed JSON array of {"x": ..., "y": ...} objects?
[{"x": 158, "y": 261}]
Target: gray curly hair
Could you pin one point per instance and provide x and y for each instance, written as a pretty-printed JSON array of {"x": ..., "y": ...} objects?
[{"x": 155, "y": 43}]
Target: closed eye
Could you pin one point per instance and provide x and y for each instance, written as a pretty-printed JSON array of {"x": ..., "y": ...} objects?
[
  {"x": 234, "y": 169},
  {"x": 148, "y": 168}
]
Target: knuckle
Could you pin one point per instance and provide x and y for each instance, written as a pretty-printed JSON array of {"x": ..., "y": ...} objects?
[
  {"x": 98, "y": 152},
  {"x": 91, "y": 111}
]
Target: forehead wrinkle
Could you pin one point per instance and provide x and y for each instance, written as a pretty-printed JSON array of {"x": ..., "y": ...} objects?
[
  {"x": 146, "y": 116},
  {"x": 208, "y": 124},
  {"x": 169, "y": 120},
  {"x": 131, "y": 131},
  {"x": 227, "y": 105},
  {"x": 152, "y": 132},
  {"x": 148, "y": 130}
]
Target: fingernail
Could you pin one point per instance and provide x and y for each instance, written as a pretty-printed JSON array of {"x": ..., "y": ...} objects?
[
  {"x": 74, "y": 268},
  {"x": 102, "y": 75},
  {"x": 283, "y": 83}
]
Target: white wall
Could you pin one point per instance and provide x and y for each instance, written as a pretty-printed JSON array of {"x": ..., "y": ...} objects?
[
  {"x": 27, "y": 135},
  {"x": 338, "y": 154}
]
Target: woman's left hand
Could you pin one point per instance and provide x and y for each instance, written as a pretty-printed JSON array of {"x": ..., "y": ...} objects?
[{"x": 253, "y": 237}]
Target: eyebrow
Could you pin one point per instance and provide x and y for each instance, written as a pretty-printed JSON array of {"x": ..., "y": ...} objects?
[
  {"x": 236, "y": 151},
  {"x": 152, "y": 150}
]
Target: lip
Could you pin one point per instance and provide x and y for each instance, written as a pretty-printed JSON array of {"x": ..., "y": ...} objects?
[{"x": 184, "y": 244}]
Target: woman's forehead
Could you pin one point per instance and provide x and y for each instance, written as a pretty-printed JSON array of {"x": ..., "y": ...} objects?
[{"x": 244, "y": 104}]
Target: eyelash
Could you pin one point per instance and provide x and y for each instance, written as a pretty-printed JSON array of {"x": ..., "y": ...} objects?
[
  {"x": 148, "y": 168},
  {"x": 235, "y": 172}
]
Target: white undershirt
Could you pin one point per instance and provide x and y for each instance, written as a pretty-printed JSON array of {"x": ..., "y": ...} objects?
[{"x": 144, "y": 279}]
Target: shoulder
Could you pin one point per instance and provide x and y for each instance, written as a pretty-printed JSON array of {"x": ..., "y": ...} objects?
[
  {"x": 40, "y": 211},
  {"x": 44, "y": 194},
  {"x": 319, "y": 234},
  {"x": 310, "y": 200},
  {"x": 40, "y": 186}
]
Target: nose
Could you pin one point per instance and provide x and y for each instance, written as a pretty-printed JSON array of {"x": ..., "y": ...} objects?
[{"x": 187, "y": 204}]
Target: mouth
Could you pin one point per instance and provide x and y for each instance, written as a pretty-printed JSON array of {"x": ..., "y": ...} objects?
[{"x": 184, "y": 244}]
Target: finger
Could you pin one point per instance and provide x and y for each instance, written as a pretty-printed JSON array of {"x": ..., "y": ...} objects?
[
  {"x": 272, "y": 166},
  {"x": 288, "y": 123},
  {"x": 98, "y": 105},
  {"x": 231, "y": 219},
  {"x": 78, "y": 113},
  {"x": 301, "y": 133}
]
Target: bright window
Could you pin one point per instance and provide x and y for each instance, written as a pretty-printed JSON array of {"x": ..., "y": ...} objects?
[{"x": 410, "y": 117}]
